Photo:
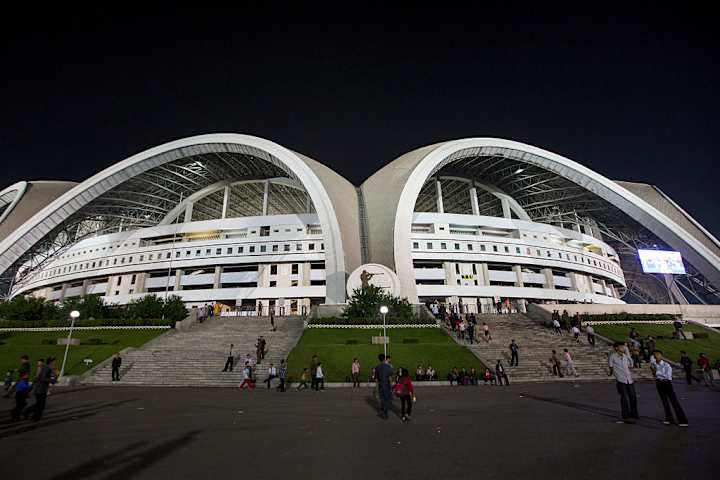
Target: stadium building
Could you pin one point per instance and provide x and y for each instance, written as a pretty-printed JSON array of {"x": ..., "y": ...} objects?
[{"x": 252, "y": 225}]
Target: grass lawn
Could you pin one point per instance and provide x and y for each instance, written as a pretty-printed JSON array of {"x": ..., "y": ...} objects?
[
  {"x": 409, "y": 347},
  {"x": 34, "y": 344},
  {"x": 671, "y": 348}
]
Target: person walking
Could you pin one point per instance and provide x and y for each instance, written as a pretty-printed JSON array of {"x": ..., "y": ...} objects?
[
  {"x": 500, "y": 374},
  {"x": 704, "y": 363},
  {"x": 383, "y": 375},
  {"x": 313, "y": 371},
  {"x": 565, "y": 320},
  {"x": 486, "y": 331},
  {"x": 687, "y": 366},
  {"x": 576, "y": 333},
  {"x": 590, "y": 331},
  {"x": 282, "y": 373},
  {"x": 272, "y": 321},
  {"x": 319, "y": 378},
  {"x": 620, "y": 365},
  {"x": 116, "y": 364},
  {"x": 247, "y": 377},
  {"x": 272, "y": 374},
  {"x": 404, "y": 390},
  {"x": 22, "y": 390},
  {"x": 23, "y": 371},
  {"x": 41, "y": 385},
  {"x": 569, "y": 364},
  {"x": 355, "y": 372},
  {"x": 556, "y": 326},
  {"x": 303, "y": 380},
  {"x": 555, "y": 362},
  {"x": 513, "y": 353},
  {"x": 663, "y": 383},
  {"x": 230, "y": 359}
]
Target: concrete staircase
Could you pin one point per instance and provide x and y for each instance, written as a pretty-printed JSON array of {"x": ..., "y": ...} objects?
[
  {"x": 196, "y": 356},
  {"x": 536, "y": 343}
]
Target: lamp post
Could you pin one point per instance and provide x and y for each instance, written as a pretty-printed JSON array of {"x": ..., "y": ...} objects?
[
  {"x": 73, "y": 315},
  {"x": 384, "y": 311}
]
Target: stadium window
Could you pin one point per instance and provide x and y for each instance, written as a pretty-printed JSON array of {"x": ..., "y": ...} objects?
[
  {"x": 273, "y": 283},
  {"x": 251, "y": 249},
  {"x": 470, "y": 247},
  {"x": 311, "y": 246},
  {"x": 322, "y": 246},
  {"x": 429, "y": 245},
  {"x": 474, "y": 269},
  {"x": 263, "y": 248},
  {"x": 517, "y": 250},
  {"x": 537, "y": 252},
  {"x": 495, "y": 249},
  {"x": 198, "y": 252},
  {"x": 122, "y": 260},
  {"x": 177, "y": 254},
  {"x": 167, "y": 255},
  {"x": 119, "y": 281},
  {"x": 207, "y": 251},
  {"x": 457, "y": 246},
  {"x": 482, "y": 248},
  {"x": 275, "y": 248},
  {"x": 218, "y": 251},
  {"x": 240, "y": 249},
  {"x": 150, "y": 257},
  {"x": 142, "y": 257},
  {"x": 132, "y": 280},
  {"x": 298, "y": 247},
  {"x": 457, "y": 268},
  {"x": 549, "y": 253},
  {"x": 286, "y": 247},
  {"x": 560, "y": 255},
  {"x": 187, "y": 253},
  {"x": 443, "y": 246},
  {"x": 295, "y": 269},
  {"x": 575, "y": 257},
  {"x": 273, "y": 269},
  {"x": 416, "y": 245},
  {"x": 229, "y": 251},
  {"x": 293, "y": 283},
  {"x": 507, "y": 249},
  {"x": 130, "y": 260}
]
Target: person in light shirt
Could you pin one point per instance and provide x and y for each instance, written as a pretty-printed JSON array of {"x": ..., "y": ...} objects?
[
  {"x": 663, "y": 382},
  {"x": 620, "y": 364}
]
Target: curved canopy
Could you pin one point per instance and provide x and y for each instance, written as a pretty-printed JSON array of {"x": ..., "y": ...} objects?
[
  {"x": 547, "y": 186},
  {"x": 143, "y": 189}
]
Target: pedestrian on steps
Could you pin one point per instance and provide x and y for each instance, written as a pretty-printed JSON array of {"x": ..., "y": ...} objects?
[
  {"x": 282, "y": 373},
  {"x": 500, "y": 374},
  {"x": 513, "y": 353},
  {"x": 272, "y": 321},
  {"x": 555, "y": 362},
  {"x": 247, "y": 377},
  {"x": 569, "y": 364},
  {"x": 272, "y": 374},
  {"x": 230, "y": 360},
  {"x": 556, "y": 326},
  {"x": 590, "y": 335},
  {"x": 486, "y": 331},
  {"x": 116, "y": 364},
  {"x": 576, "y": 333}
]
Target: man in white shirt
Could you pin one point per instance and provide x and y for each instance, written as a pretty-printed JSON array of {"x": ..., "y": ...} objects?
[
  {"x": 556, "y": 326},
  {"x": 620, "y": 364},
  {"x": 272, "y": 373},
  {"x": 663, "y": 382},
  {"x": 590, "y": 335}
]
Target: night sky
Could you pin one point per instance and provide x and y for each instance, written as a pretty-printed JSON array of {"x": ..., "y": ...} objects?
[{"x": 632, "y": 95}]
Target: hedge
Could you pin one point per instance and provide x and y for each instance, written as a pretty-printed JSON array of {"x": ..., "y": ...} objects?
[
  {"x": 100, "y": 322},
  {"x": 363, "y": 321}
]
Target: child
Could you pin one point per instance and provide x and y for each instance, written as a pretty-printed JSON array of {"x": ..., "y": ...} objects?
[
  {"x": 22, "y": 390},
  {"x": 8, "y": 380},
  {"x": 303, "y": 380}
]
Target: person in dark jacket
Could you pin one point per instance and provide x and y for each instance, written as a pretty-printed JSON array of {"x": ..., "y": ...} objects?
[
  {"x": 500, "y": 373},
  {"x": 22, "y": 390},
  {"x": 687, "y": 365},
  {"x": 383, "y": 374},
  {"x": 116, "y": 363},
  {"x": 44, "y": 378}
]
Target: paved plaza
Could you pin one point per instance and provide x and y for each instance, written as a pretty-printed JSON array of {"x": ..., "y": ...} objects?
[{"x": 534, "y": 431}]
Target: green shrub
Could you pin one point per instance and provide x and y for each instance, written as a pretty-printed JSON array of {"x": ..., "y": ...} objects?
[{"x": 365, "y": 305}]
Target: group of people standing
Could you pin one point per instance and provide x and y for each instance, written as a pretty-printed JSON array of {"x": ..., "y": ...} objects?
[
  {"x": 621, "y": 365},
  {"x": 45, "y": 375},
  {"x": 564, "y": 323}
]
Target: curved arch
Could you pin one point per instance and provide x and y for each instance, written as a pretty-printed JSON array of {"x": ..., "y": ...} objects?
[
  {"x": 422, "y": 166},
  {"x": 495, "y": 191},
  {"x": 19, "y": 189},
  {"x": 13, "y": 247}
]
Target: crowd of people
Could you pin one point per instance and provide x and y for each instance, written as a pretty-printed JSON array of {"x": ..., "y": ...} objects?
[{"x": 39, "y": 386}]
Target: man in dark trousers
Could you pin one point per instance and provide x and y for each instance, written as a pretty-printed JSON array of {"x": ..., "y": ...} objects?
[
  {"x": 687, "y": 365},
  {"x": 663, "y": 383},
  {"x": 313, "y": 371},
  {"x": 230, "y": 360},
  {"x": 116, "y": 363},
  {"x": 620, "y": 364},
  {"x": 383, "y": 374},
  {"x": 23, "y": 371},
  {"x": 500, "y": 374},
  {"x": 513, "y": 353},
  {"x": 45, "y": 377}
]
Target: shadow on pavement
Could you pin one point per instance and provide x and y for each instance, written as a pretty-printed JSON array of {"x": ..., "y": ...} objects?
[
  {"x": 55, "y": 418},
  {"x": 128, "y": 460}
]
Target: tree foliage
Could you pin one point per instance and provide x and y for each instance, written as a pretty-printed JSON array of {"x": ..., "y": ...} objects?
[{"x": 364, "y": 306}]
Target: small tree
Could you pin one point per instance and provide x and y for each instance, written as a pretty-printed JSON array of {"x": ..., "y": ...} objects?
[
  {"x": 174, "y": 309},
  {"x": 365, "y": 305},
  {"x": 146, "y": 307}
]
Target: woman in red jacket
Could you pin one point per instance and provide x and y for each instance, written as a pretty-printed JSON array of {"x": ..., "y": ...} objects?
[{"x": 404, "y": 389}]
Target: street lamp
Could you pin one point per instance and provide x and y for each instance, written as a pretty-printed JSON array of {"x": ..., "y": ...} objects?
[
  {"x": 384, "y": 311},
  {"x": 73, "y": 315}
]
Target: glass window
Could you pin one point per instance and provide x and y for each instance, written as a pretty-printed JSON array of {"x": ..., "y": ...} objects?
[
  {"x": 251, "y": 249},
  {"x": 429, "y": 245},
  {"x": 229, "y": 251},
  {"x": 298, "y": 247},
  {"x": 295, "y": 268},
  {"x": 263, "y": 248},
  {"x": 482, "y": 248},
  {"x": 286, "y": 247},
  {"x": 273, "y": 269},
  {"x": 218, "y": 251},
  {"x": 470, "y": 247},
  {"x": 416, "y": 245},
  {"x": 311, "y": 246},
  {"x": 457, "y": 246},
  {"x": 275, "y": 248},
  {"x": 495, "y": 249},
  {"x": 273, "y": 283},
  {"x": 443, "y": 246}
]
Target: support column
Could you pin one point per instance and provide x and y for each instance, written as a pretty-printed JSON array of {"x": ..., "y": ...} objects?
[
  {"x": 178, "y": 280},
  {"x": 140, "y": 282},
  {"x": 85, "y": 285},
  {"x": 549, "y": 280},
  {"x": 226, "y": 198},
  {"x": 604, "y": 287},
  {"x": 485, "y": 274},
  {"x": 505, "y": 207},
  {"x": 519, "y": 282},
  {"x": 438, "y": 197},
  {"x": 63, "y": 290},
  {"x": 474, "y": 201},
  {"x": 265, "y": 197},
  {"x": 188, "y": 212},
  {"x": 216, "y": 279},
  {"x": 573, "y": 281}
]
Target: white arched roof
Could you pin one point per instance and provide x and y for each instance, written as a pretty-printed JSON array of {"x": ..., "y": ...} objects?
[
  {"x": 391, "y": 193},
  {"x": 10, "y": 196},
  {"x": 319, "y": 181}
]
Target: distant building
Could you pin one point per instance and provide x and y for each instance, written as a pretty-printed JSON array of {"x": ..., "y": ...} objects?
[{"x": 245, "y": 222}]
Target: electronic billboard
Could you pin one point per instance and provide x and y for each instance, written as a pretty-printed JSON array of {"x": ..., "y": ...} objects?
[{"x": 661, "y": 261}]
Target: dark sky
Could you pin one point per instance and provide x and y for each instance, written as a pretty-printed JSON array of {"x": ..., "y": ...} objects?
[{"x": 632, "y": 95}]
